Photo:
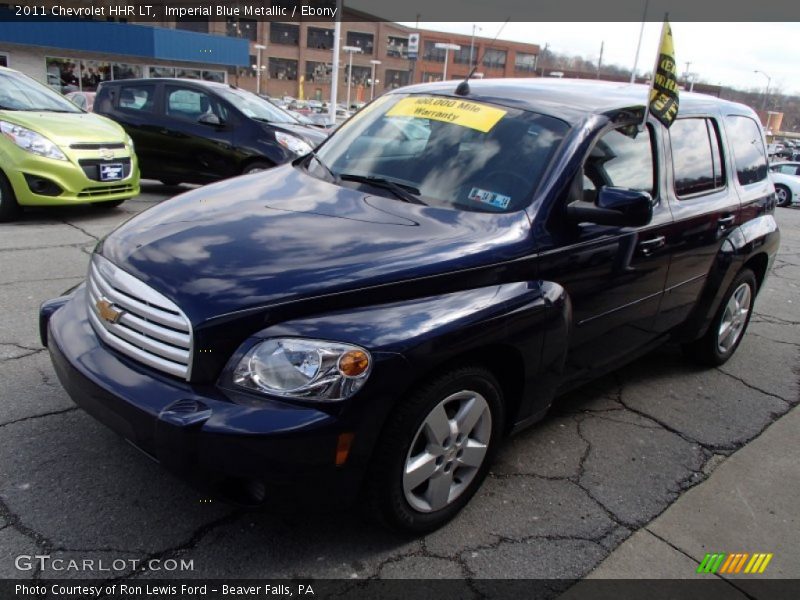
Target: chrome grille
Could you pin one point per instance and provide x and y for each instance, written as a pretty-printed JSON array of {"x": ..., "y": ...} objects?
[{"x": 144, "y": 325}]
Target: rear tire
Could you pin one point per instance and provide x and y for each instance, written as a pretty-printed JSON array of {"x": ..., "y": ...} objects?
[
  {"x": 436, "y": 450},
  {"x": 170, "y": 182},
  {"x": 9, "y": 208},
  {"x": 783, "y": 195},
  {"x": 729, "y": 325}
]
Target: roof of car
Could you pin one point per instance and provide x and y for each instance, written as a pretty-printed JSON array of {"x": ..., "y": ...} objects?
[
  {"x": 202, "y": 82},
  {"x": 572, "y": 99}
]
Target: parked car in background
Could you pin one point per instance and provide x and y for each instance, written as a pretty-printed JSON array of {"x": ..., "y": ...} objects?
[
  {"x": 370, "y": 322},
  {"x": 199, "y": 131},
  {"x": 53, "y": 153},
  {"x": 786, "y": 177},
  {"x": 84, "y": 100}
]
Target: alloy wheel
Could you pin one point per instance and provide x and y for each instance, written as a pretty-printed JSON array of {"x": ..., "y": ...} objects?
[
  {"x": 447, "y": 451},
  {"x": 734, "y": 318}
]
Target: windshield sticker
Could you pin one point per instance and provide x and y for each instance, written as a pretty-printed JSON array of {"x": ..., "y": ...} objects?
[
  {"x": 490, "y": 198},
  {"x": 459, "y": 112}
]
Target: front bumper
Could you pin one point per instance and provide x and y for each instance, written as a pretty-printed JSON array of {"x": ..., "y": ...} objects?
[
  {"x": 76, "y": 187},
  {"x": 267, "y": 451}
]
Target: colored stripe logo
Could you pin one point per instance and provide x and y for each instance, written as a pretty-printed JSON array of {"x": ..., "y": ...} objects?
[{"x": 739, "y": 562}]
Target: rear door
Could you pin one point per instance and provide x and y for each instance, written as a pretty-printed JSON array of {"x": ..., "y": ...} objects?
[{"x": 705, "y": 206}]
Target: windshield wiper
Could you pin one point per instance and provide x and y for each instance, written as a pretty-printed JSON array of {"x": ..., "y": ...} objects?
[
  {"x": 313, "y": 154},
  {"x": 407, "y": 193}
]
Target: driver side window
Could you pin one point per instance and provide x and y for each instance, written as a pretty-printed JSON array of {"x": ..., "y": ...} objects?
[{"x": 621, "y": 158}]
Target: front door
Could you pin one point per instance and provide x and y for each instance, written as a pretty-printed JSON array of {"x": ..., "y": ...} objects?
[{"x": 614, "y": 275}]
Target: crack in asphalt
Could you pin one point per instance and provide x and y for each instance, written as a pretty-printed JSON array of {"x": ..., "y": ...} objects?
[
  {"x": 79, "y": 277},
  {"x": 82, "y": 230},
  {"x": 766, "y": 337},
  {"x": 39, "y": 416},
  {"x": 31, "y": 353},
  {"x": 755, "y": 388}
]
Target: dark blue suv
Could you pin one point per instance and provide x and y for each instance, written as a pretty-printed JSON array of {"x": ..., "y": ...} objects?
[{"x": 372, "y": 319}]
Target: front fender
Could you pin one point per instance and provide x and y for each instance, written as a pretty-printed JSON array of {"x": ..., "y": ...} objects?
[{"x": 524, "y": 323}]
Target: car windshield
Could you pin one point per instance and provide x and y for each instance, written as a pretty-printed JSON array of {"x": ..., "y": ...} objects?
[
  {"x": 255, "y": 107},
  {"x": 448, "y": 152},
  {"x": 18, "y": 92}
]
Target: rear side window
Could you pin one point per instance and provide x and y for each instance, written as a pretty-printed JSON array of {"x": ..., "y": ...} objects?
[
  {"x": 137, "y": 98},
  {"x": 747, "y": 144},
  {"x": 786, "y": 169},
  {"x": 696, "y": 157}
]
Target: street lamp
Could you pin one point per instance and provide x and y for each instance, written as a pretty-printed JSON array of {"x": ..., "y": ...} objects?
[
  {"x": 766, "y": 91},
  {"x": 259, "y": 48},
  {"x": 350, "y": 50},
  {"x": 374, "y": 64},
  {"x": 446, "y": 48},
  {"x": 472, "y": 45}
]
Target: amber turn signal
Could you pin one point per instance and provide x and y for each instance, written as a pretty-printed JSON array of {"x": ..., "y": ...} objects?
[
  {"x": 343, "y": 445},
  {"x": 353, "y": 363}
]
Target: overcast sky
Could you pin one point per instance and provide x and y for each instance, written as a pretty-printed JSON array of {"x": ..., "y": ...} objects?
[{"x": 720, "y": 53}]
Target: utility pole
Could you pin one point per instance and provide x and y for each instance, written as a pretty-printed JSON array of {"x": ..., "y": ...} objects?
[
  {"x": 472, "y": 46},
  {"x": 337, "y": 35},
  {"x": 600, "y": 60},
  {"x": 542, "y": 53},
  {"x": 686, "y": 72}
]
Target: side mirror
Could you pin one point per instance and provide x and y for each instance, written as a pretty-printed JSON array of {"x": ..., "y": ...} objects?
[
  {"x": 615, "y": 206},
  {"x": 209, "y": 119}
]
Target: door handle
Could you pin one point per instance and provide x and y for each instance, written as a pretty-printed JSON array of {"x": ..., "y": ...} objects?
[
  {"x": 648, "y": 246},
  {"x": 726, "y": 221}
]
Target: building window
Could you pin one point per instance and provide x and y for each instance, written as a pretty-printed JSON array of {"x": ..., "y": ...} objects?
[
  {"x": 395, "y": 79},
  {"x": 126, "y": 71},
  {"x": 432, "y": 53},
  {"x": 397, "y": 47},
  {"x": 318, "y": 72},
  {"x": 463, "y": 57},
  {"x": 494, "y": 59},
  {"x": 188, "y": 73},
  {"x": 361, "y": 40},
  {"x": 94, "y": 72},
  {"x": 196, "y": 24},
  {"x": 430, "y": 77},
  {"x": 63, "y": 74},
  {"x": 524, "y": 61},
  {"x": 162, "y": 71},
  {"x": 283, "y": 68},
  {"x": 321, "y": 39},
  {"x": 216, "y": 76},
  {"x": 361, "y": 75},
  {"x": 284, "y": 33},
  {"x": 242, "y": 28}
]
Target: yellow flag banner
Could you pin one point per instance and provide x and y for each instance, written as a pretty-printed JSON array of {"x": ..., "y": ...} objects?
[{"x": 664, "y": 91}]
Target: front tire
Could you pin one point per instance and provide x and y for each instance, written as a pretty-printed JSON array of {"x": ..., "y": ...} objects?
[
  {"x": 436, "y": 450},
  {"x": 729, "y": 325},
  {"x": 783, "y": 195},
  {"x": 9, "y": 208}
]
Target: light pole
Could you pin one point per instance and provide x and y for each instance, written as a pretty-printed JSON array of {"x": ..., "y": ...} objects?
[
  {"x": 766, "y": 91},
  {"x": 350, "y": 50},
  {"x": 446, "y": 48},
  {"x": 472, "y": 45},
  {"x": 259, "y": 48},
  {"x": 374, "y": 64}
]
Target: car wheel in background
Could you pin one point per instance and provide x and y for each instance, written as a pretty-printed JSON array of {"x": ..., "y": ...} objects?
[
  {"x": 9, "y": 209},
  {"x": 108, "y": 204},
  {"x": 170, "y": 182},
  {"x": 436, "y": 450},
  {"x": 255, "y": 167},
  {"x": 729, "y": 325},
  {"x": 783, "y": 194}
]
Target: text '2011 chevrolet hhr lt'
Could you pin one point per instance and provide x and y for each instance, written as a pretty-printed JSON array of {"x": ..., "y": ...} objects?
[{"x": 370, "y": 321}]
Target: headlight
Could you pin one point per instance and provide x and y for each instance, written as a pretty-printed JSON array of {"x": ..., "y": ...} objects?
[
  {"x": 129, "y": 142},
  {"x": 295, "y": 144},
  {"x": 301, "y": 368},
  {"x": 31, "y": 141}
]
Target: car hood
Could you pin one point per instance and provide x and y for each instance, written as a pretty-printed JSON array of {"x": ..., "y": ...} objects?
[
  {"x": 282, "y": 235},
  {"x": 67, "y": 128}
]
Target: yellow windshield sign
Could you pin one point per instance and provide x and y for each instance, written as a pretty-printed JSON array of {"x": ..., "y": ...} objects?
[{"x": 459, "y": 112}]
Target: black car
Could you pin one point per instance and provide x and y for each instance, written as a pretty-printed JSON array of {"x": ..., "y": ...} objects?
[
  {"x": 199, "y": 131},
  {"x": 373, "y": 319}
]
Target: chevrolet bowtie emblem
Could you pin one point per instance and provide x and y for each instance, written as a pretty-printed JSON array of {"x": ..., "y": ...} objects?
[
  {"x": 107, "y": 312},
  {"x": 106, "y": 153}
]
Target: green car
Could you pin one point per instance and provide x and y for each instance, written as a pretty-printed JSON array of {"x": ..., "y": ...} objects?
[{"x": 52, "y": 153}]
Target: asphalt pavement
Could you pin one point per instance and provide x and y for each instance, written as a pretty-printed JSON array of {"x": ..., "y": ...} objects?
[{"x": 620, "y": 459}]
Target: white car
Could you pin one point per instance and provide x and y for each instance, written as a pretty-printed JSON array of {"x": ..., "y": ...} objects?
[{"x": 786, "y": 177}]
